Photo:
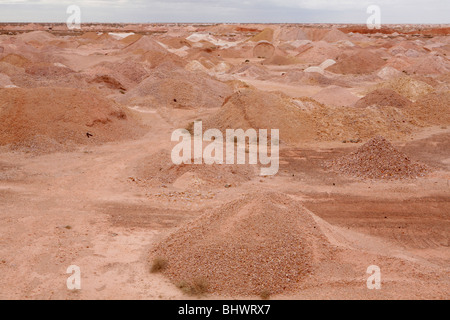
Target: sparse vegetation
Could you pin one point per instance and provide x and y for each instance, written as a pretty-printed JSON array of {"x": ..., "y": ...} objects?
[
  {"x": 195, "y": 287},
  {"x": 190, "y": 128},
  {"x": 158, "y": 265},
  {"x": 265, "y": 294}
]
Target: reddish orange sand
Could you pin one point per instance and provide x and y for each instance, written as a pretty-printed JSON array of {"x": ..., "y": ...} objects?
[{"x": 86, "y": 177}]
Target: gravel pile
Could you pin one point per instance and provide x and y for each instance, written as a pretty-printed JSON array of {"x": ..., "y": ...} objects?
[
  {"x": 263, "y": 242},
  {"x": 47, "y": 119},
  {"x": 378, "y": 159},
  {"x": 158, "y": 169},
  {"x": 383, "y": 97}
]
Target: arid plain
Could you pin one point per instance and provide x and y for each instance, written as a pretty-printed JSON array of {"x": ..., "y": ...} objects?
[{"x": 86, "y": 177}]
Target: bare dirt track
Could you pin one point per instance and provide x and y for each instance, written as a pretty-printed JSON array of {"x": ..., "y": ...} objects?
[{"x": 112, "y": 202}]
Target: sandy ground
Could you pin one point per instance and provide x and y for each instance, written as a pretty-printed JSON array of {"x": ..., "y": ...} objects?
[
  {"x": 88, "y": 207},
  {"x": 81, "y": 209}
]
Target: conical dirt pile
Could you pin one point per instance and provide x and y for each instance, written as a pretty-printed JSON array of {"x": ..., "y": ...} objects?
[
  {"x": 378, "y": 159},
  {"x": 264, "y": 242}
]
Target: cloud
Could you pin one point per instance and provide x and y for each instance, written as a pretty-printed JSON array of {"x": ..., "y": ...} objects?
[{"x": 338, "y": 11}]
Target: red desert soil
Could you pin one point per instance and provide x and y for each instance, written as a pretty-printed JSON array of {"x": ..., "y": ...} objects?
[
  {"x": 86, "y": 178},
  {"x": 263, "y": 242},
  {"x": 357, "y": 63},
  {"x": 47, "y": 117},
  {"x": 383, "y": 97},
  {"x": 378, "y": 159},
  {"x": 159, "y": 170}
]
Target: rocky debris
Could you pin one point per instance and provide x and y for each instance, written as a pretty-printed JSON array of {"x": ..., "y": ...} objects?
[{"x": 378, "y": 159}]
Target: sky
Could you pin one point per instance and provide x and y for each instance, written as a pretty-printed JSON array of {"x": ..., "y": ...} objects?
[{"x": 237, "y": 11}]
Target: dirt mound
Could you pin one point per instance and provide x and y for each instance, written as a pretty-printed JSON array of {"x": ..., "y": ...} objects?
[
  {"x": 89, "y": 35},
  {"x": 9, "y": 69},
  {"x": 292, "y": 34},
  {"x": 335, "y": 35},
  {"x": 264, "y": 242},
  {"x": 407, "y": 87},
  {"x": 36, "y": 36},
  {"x": 261, "y": 110},
  {"x": 361, "y": 62},
  {"x": 47, "y": 70},
  {"x": 61, "y": 115},
  {"x": 159, "y": 169},
  {"x": 179, "y": 89},
  {"x": 432, "y": 109},
  {"x": 266, "y": 34},
  {"x": 131, "y": 39},
  {"x": 388, "y": 73},
  {"x": 305, "y": 119},
  {"x": 251, "y": 70},
  {"x": 317, "y": 52},
  {"x": 383, "y": 97},
  {"x": 281, "y": 60},
  {"x": 121, "y": 75},
  {"x": 144, "y": 44},
  {"x": 378, "y": 159},
  {"x": 431, "y": 64},
  {"x": 108, "y": 81},
  {"x": 316, "y": 34},
  {"x": 176, "y": 42},
  {"x": 16, "y": 60},
  {"x": 153, "y": 53},
  {"x": 5, "y": 81},
  {"x": 263, "y": 49},
  {"x": 306, "y": 78},
  {"x": 335, "y": 96}
]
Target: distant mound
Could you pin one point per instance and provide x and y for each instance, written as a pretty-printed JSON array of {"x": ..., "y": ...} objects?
[
  {"x": 36, "y": 36},
  {"x": 316, "y": 34},
  {"x": 306, "y": 78},
  {"x": 263, "y": 49},
  {"x": 334, "y": 35},
  {"x": 360, "y": 62},
  {"x": 317, "y": 52},
  {"x": 378, "y": 159},
  {"x": 432, "y": 109},
  {"x": 179, "y": 89},
  {"x": 335, "y": 96},
  {"x": 16, "y": 60},
  {"x": 430, "y": 64},
  {"x": 144, "y": 44},
  {"x": 122, "y": 75},
  {"x": 251, "y": 70},
  {"x": 305, "y": 119},
  {"x": 292, "y": 34},
  {"x": 131, "y": 39},
  {"x": 159, "y": 169},
  {"x": 50, "y": 119},
  {"x": 5, "y": 81},
  {"x": 281, "y": 60},
  {"x": 266, "y": 34},
  {"x": 261, "y": 243},
  {"x": 407, "y": 87},
  {"x": 383, "y": 97},
  {"x": 262, "y": 110},
  {"x": 47, "y": 70},
  {"x": 90, "y": 35},
  {"x": 153, "y": 53},
  {"x": 176, "y": 42}
]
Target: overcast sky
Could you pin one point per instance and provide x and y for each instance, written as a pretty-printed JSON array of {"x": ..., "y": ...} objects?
[{"x": 264, "y": 11}]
